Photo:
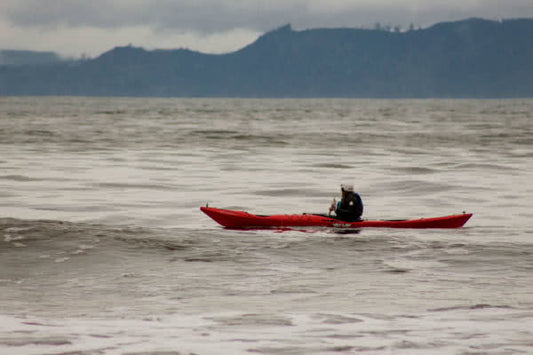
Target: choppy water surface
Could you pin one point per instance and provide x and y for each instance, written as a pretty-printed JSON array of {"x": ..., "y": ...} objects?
[{"x": 103, "y": 248}]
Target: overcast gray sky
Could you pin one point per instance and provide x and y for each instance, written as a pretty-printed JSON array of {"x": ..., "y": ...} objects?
[{"x": 76, "y": 27}]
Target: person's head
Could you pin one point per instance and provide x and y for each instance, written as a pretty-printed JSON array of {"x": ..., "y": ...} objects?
[{"x": 346, "y": 188}]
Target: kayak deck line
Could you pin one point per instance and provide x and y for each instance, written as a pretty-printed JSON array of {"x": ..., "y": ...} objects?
[{"x": 244, "y": 220}]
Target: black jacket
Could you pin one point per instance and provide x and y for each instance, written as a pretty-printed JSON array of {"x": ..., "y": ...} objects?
[{"x": 350, "y": 208}]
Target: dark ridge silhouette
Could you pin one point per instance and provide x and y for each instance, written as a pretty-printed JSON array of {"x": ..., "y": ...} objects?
[
  {"x": 22, "y": 57},
  {"x": 473, "y": 58}
]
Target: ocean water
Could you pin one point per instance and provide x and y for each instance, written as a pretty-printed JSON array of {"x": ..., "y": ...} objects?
[{"x": 103, "y": 248}]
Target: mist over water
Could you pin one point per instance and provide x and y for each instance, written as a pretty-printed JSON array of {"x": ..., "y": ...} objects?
[{"x": 103, "y": 248}]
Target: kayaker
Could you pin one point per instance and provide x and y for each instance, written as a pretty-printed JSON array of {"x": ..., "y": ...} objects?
[{"x": 350, "y": 207}]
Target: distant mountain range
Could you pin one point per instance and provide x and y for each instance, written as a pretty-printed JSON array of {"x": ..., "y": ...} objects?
[
  {"x": 473, "y": 58},
  {"x": 18, "y": 57}
]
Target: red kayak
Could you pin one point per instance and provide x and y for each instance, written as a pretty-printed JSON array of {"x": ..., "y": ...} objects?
[{"x": 243, "y": 220}]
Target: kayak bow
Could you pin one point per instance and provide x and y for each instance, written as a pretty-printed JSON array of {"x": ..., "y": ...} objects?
[{"x": 244, "y": 220}]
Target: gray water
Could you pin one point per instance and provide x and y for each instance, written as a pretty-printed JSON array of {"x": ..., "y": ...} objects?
[{"x": 103, "y": 249}]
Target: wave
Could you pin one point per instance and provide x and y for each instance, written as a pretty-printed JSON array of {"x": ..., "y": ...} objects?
[
  {"x": 470, "y": 307},
  {"x": 18, "y": 178},
  {"x": 69, "y": 238}
]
